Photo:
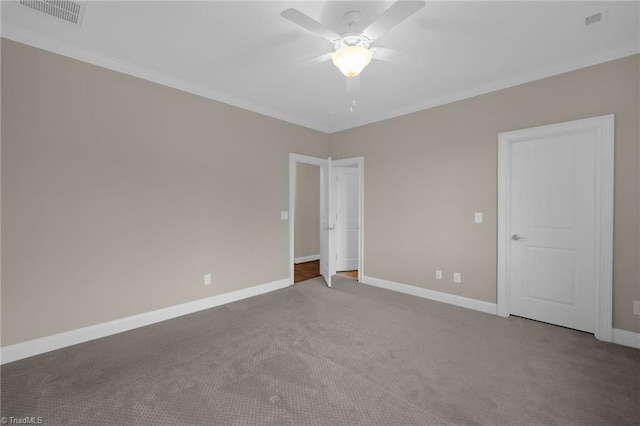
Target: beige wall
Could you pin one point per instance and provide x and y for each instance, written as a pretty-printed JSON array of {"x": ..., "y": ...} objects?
[
  {"x": 119, "y": 194},
  {"x": 307, "y": 220},
  {"x": 427, "y": 173}
]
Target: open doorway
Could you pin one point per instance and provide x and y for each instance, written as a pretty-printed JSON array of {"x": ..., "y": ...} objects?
[
  {"x": 306, "y": 222},
  {"x": 346, "y": 215}
]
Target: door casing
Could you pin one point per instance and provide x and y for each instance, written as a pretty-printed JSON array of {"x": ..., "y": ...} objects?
[
  {"x": 604, "y": 128},
  {"x": 357, "y": 162}
]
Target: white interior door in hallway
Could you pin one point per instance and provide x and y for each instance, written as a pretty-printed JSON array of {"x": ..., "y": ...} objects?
[
  {"x": 555, "y": 220},
  {"x": 347, "y": 217},
  {"x": 327, "y": 223}
]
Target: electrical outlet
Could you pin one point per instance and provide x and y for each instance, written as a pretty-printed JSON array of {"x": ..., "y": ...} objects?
[
  {"x": 457, "y": 277},
  {"x": 438, "y": 275},
  {"x": 636, "y": 307},
  {"x": 207, "y": 279}
]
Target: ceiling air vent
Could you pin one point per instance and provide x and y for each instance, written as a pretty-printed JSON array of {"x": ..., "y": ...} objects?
[
  {"x": 69, "y": 11},
  {"x": 593, "y": 19}
]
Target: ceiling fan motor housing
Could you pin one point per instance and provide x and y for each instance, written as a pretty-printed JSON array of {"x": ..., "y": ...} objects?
[{"x": 353, "y": 39}]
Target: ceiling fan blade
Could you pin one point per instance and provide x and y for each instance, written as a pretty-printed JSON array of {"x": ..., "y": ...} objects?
[
  {"x": 299, "y": 18},
  {"x": 398, "y": 12},
  {"x": 383, "y": 54},
  {"x": 313, "y": 61},
  {"x": 353, "y": 83},
  {"x": 393, "y": 56},
  {"x": 318, "y": 59}
]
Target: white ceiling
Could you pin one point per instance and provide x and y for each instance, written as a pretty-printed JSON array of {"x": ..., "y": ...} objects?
[{"x": 246, "y": 54}]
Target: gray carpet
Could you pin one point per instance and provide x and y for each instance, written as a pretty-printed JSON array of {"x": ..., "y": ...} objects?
[{"x": 352, "y": 354}]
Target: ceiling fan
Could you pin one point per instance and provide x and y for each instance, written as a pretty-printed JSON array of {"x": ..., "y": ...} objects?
[{"x": 352, "y": 49}]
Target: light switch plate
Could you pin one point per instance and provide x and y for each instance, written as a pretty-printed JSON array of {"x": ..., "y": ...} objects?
[
  {"x": 284, "y": 215},
  {"x": 457, "y": 277},
  {"x": 438, "y": 275},
  {"x": 207, "y": 279},
  {"x": 477, "y": 217}
]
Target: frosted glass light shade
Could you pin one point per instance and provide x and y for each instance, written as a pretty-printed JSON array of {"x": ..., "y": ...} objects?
[{"x": 351, "y": 60}]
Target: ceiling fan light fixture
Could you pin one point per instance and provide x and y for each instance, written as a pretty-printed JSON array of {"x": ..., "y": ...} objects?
[{"x": 351, "y": 60}]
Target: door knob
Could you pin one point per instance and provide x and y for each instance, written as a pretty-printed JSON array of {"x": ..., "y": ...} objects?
[{"x": 517, "y": 237}]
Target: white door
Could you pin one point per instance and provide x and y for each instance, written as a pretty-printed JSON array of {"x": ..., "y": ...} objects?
[
  {"x": 327, "y": 224},
  {"x": 552, "y": 232},
  {"x": 347, "y": 217}
]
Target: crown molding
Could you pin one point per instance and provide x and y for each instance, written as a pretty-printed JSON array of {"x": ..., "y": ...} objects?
[
  {"x": 105, "y": 61},
  {"x": 494, "y": 86},
  {"x": 40, "y": 41}
]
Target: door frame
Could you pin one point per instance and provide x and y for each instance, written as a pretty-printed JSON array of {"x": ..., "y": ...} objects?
[
  {"x": 299, "y": 158},
  {"x": 294, "y": 159},
  {"x": 604, "y": 126},
  {"x": 358, "y": 162}
]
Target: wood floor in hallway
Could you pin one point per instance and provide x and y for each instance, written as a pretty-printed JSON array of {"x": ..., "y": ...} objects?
[{"x": 307, "y": 270}]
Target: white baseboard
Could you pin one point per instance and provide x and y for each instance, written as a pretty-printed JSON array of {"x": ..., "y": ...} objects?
[
  {"x": 49, "y": 343},
  {"x": 306, "y": 258},
  {"x": 626, "y": 338},
  {"x": 57, "y": 341},
  {"x": 452, "y": 299},
  {"x": 620, "y": 337}
]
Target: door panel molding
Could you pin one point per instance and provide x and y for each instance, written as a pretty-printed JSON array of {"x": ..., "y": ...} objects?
[{"x": 604, "y": 129}]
